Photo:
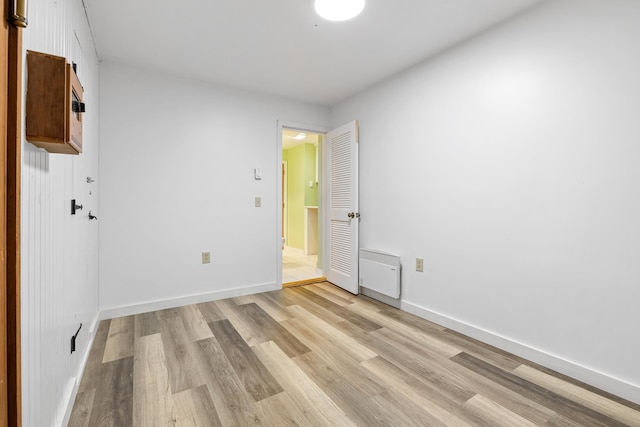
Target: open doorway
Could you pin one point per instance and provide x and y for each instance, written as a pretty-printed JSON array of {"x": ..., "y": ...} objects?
[{"x": 301, "y": 199}]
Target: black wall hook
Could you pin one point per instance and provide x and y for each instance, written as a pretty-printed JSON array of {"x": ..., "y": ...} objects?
[
  {"x": 75, "y": 207},
  {"x": 73, "y": 339}
]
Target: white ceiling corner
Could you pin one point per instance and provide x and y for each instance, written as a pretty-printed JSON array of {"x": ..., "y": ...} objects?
[{"x": 281, "y": 47}]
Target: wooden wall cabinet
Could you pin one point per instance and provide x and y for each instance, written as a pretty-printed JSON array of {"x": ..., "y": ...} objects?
[{"x": 54, "y": 104}]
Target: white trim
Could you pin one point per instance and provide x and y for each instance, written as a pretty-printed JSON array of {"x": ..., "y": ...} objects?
[
  {"x": 281, "y": 125},
  {"x": 285, "y": 199},
  {"x": 585, "y": 374},
  {"x": 110, "y": 313}
]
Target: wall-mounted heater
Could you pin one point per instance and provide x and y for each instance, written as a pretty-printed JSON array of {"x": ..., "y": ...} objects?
[{"x": 380, "y": 272}]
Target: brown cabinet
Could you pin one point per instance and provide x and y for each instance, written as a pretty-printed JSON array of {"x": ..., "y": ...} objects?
[{"x": 54, "y": 104}]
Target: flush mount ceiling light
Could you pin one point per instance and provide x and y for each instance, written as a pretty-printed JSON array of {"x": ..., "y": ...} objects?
[
  {"x": 300, "y": 135},
  {"x": 338, "y": 10}
]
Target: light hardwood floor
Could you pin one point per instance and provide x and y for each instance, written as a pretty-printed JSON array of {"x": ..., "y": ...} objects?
[{"x": 318, "y": 356}]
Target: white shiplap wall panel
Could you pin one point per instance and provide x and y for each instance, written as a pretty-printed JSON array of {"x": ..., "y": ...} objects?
[{"x": 59, "y": 251}]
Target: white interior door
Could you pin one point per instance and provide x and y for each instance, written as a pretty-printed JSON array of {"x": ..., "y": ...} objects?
[{"x": 342, "y": 218}]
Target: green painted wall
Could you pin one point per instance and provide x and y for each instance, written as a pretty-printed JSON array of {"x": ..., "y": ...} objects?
[
  {"x": 295, "y": 188},
  {"x": 301, "y": 168},
  {"x": 310, "y": 193}
]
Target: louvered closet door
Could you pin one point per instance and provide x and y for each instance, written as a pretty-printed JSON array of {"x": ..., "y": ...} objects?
[{"x": 343, "y": 217}]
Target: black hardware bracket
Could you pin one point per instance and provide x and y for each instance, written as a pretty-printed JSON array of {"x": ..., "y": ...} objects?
[
  {"x": 75, "y": 207},
  {"x": 73, "y": 339}
]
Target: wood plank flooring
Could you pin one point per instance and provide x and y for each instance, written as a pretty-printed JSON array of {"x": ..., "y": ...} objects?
[{"x": 318, "y": 356}]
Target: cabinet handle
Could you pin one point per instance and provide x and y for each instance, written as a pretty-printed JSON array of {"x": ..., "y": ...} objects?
[{"x": 78, "y": 107}]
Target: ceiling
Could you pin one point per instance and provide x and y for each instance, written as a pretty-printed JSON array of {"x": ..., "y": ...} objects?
[
  {"x": 281, "y": 47},
  {"x": 288, "y": 140}
]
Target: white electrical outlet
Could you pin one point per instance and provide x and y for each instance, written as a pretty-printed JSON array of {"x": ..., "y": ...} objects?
[
  {"x": 206, "y": 257},
  {"x": 419, "y": 264}
]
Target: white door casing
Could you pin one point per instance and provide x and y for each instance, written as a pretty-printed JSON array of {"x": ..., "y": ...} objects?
[{"x": 342, "y": 216}]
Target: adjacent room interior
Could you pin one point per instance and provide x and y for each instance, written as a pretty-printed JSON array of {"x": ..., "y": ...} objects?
[{"x": 300, "y": 214}]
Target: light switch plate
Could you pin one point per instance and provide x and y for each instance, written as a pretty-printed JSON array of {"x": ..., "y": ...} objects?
[{"x": 258, "y": 202}]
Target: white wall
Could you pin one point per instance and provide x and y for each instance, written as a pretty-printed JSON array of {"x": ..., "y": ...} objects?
[
  {"x": 176, "y": 167},
  {"x": 59, "y": 257},
  {"x": 510, "y": 164}
]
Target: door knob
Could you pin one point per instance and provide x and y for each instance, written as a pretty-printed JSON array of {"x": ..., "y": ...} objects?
[{"x": 353, "y": 215}]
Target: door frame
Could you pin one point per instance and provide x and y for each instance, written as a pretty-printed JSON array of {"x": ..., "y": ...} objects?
[
  {"x": 302, "y": 127},
  {"x": 285, "y": 205},
  {"x": 10, "y": 159}
]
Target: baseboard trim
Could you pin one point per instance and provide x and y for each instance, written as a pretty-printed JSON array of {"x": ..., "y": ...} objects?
[
  {"x": 110, "y": 313},
  {"x": 590, "y": 376}
]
